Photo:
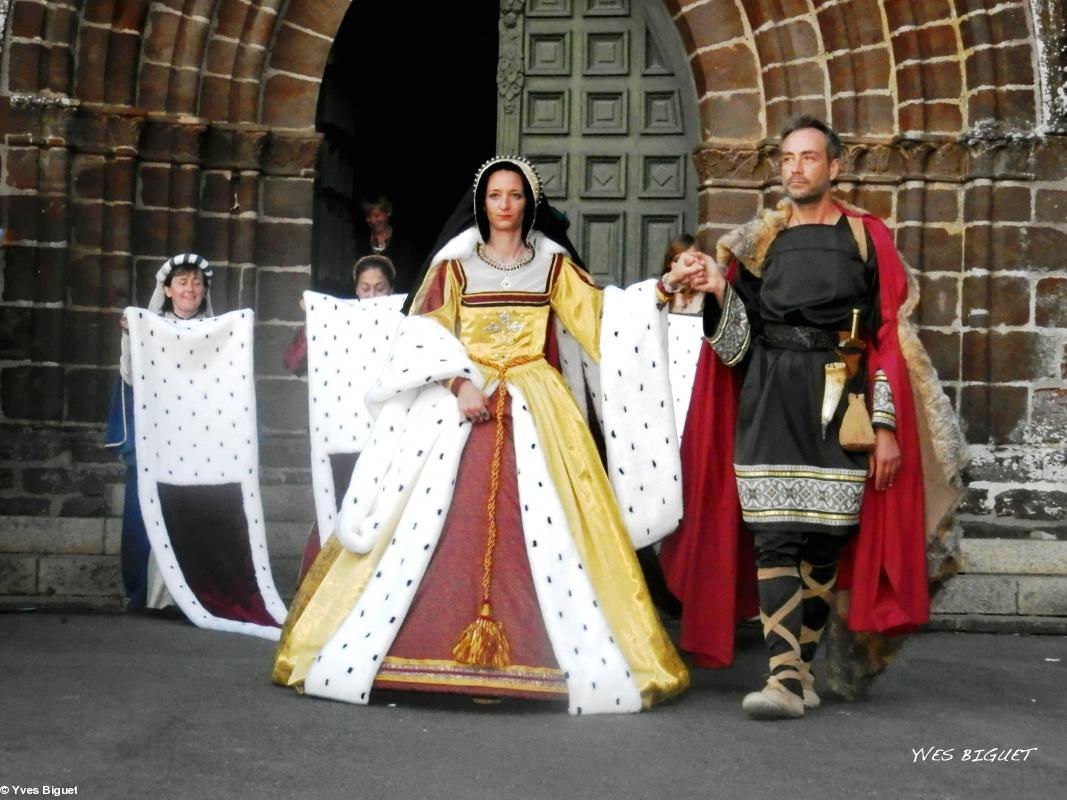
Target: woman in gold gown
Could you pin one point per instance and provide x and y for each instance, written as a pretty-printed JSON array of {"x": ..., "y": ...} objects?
[{"x": 483, "y": 552}]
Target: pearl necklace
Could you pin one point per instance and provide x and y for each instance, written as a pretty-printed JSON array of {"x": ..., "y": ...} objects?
[
  {"x": 505, "y": 266},
  {"x": 378, "y": 249}
]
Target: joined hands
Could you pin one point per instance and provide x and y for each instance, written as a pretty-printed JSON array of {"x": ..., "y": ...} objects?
[{"x": 698, "y": 272}]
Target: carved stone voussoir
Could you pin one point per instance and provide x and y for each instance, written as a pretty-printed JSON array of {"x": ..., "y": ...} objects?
[
  {"x": 873, "y": 162},
  {"x": 172, "y": 140},
  {"x": 228, "y": 146},
  {"x": 1002, "y": 158},
  {"x": 286, "y": 154},
  {"x": 41, "y": 121},
  {"x": 724, "y": 166},
  {"x": 108, "y": 129},
  {"x": 948, "y": 161}
]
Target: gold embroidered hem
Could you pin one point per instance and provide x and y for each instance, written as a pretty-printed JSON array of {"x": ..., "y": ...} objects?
[
  {"x": 326, "y": 596},
  {"x": 409, "y": 673}
]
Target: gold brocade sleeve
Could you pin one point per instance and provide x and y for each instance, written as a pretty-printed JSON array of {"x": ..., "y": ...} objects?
[
  {"x": 578, "y": 303},
  {"x": 438, "y": 297}
]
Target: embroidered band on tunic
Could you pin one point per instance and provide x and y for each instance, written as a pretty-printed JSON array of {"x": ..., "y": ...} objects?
[
  {"x": 801, "y": 493},
  {"x": 884, "y": 412},
  {"x": 733, "y": 334}
]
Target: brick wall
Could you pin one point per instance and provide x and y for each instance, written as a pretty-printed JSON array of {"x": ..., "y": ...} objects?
[
  {"x": 984, "y": 223},
  {"x": 118, "y": 154},
  {"x": 132, "y": 131},
  {"x": 953, "y": 113}
]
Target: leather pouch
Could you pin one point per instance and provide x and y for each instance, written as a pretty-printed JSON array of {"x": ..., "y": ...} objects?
[{"x": 857, "y": 434}]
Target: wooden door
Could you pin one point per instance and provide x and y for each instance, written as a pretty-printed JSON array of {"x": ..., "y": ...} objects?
[{"x": 602, "y": 101}]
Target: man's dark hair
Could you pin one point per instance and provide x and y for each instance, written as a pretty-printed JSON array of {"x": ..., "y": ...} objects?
[{"x": 833, "y": 141}]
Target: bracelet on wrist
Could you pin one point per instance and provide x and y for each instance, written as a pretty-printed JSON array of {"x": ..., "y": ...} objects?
[{"x": 667, "y": 287}]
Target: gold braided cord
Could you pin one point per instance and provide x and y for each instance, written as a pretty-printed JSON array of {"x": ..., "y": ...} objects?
[{"x": 483, "y": 643}]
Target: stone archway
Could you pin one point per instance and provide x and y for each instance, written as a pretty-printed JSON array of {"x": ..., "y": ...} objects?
[
  {"x": 135, "y": 130},
  {"x": 941, "y": 107},
  {"x": 191, "y": 125},
  {"x": 143, "y": 131}
]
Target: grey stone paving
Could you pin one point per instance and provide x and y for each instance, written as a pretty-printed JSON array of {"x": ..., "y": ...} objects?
[{"x": 137, "y": 707}]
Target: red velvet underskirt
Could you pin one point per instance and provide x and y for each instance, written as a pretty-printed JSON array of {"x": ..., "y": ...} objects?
[{"x": 450, "y": 595}]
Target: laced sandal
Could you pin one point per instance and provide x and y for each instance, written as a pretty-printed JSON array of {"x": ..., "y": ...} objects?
[
  {"x": 807, "y": 683},
  {"x": 818, "y": 582},
  {"x": 780, "y": 614},
  {"x": 773, "y": 702}
]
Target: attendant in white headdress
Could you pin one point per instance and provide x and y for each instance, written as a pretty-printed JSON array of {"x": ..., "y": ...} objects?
[{"x": 182, "y": 292}]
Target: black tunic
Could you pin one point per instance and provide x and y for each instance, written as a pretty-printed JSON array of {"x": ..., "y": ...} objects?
[{"x": 790, "y": 477}]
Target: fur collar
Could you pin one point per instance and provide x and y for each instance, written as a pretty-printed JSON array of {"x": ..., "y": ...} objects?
[
  {"x": 465, "y": 244},
  {"x": 750, "y": 242}
]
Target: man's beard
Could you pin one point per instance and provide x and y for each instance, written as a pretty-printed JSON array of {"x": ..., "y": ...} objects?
[{"x": 809, "y": 197}]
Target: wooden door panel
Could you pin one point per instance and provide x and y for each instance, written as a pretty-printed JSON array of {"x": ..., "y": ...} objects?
[
  {"x": 548, "y": 53},
  {"x": 608, "y": 116}
]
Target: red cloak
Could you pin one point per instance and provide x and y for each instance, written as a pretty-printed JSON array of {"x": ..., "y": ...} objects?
[{"x": 709, "y": 563}]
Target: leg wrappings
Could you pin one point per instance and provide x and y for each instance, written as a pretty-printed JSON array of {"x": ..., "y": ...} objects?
[
  {"x": 817, "y": 603},
  {"x": 781, "y": 614}
]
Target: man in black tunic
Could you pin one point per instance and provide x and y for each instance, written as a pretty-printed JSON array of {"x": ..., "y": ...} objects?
[{"x": 784, "y": 320}]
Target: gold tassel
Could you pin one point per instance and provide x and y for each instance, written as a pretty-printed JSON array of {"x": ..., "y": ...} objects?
[{"x": 483, "y": 643}]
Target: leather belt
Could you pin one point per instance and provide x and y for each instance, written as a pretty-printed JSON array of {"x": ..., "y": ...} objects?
[{"x": 799, "y": 337}]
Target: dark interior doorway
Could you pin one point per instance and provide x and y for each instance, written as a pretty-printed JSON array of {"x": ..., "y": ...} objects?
[{"x": 407, "y": 109}]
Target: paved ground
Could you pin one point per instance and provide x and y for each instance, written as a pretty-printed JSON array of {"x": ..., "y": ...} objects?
[{"x": 134, "y": 707}]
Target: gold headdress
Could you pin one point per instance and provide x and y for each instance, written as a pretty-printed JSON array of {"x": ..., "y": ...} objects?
[
  {"x": 530, "y": 178},
  {"x": 528, "y": 170}
]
